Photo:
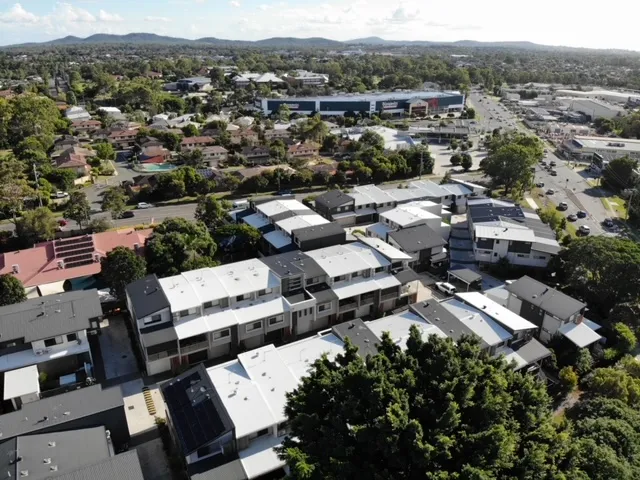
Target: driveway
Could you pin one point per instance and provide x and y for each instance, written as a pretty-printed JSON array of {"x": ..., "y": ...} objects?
[{"x": 115, "y": 345}]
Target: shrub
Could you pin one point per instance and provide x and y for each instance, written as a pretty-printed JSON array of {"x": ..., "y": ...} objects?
[{"x": 568, "y": 379}]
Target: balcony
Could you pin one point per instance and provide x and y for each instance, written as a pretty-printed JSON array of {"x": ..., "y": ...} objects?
[
  {"x": 164, "y": 354},
  {"x": 345, "y": 307},
  {"x": 367, "y": 300},
  {"x": 194, "y": 347},
  {"x": 389, "y": 296}
]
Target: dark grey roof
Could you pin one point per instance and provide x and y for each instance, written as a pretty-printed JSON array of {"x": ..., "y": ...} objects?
[
  {"x": 213, "y": 469},
  {"x": 549, "y": 299},
  {"x": 73, "y": 449},
  {"x": 466, "y": 275},
  {"x": 318, "y": 231},
  {"x": 543, "y": 247},
  {"x": 334, "y": 198},
  {"x": 442, "y": 318},
  {"x": 244, "y": 213},
  {"x": 197, "y": 413},
  {"x": 285, "y": 264},
  {"x": 59, "y": 409},
  {"x": 533, "y": 351},
  {"x": 160, "y": 336},
  {"x": 310, "y": 267},
  {"x": 414, "y": 239},
  {"x": 125, "y": 466},
  {"x": 491, "y": 213},
  {"x": 540, "y": 228},
  {"x": 147, "y": 296},
  {"x": 282, "y": 216},
  {"x": 322, "y": 292},
  {"x": 50, "y": 316},
  {"x": 359, "y": 334},
  {"x": 7, "y": 458},
  {"x": 405, "y": 276}
]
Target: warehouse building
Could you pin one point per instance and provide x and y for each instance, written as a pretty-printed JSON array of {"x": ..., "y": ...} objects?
[
  {"x": 586, "y": 148},
  {"x": 593, "y": 108},
  {"x": 395, "y": 103},
  {"x": 606, "y": 95}
]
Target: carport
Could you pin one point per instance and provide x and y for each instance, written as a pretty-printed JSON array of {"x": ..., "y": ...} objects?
[{"x": 466, "y": 276}]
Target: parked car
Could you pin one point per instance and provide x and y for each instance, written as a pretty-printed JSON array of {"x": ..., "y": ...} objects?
[
  {"x": 562, "y": 206},
  {"x": 284, "y": 193},
  {"x": 584, "y": 230},
  {"x": 552, "y": 163},
  {"x": 62, "y": 194},
  {"x": 143, "y": 205},
  {"x": 551, "y": 191},
  {"x": 540, "y": 184},
  {"x": 553, "y": 173},
  {"x": 543, "y": 163},
  {"x": 241, "y": 204},
  {"x": 445, "y": 287},
  {"x": 608, "y": 222},
  {"x": 582, "y": 214},
  {"x": 62, "y": 222},
  {"x": 572, "y": 218},
  {"x": 128, "y": 214}
]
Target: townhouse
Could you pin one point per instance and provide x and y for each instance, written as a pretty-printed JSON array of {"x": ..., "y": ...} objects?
[
  {"x": 214, "y": 155},
  {"x": 425, "y": 246},
  {"x": 502, "y": 229},
  {"x": 86, "y": 125},
  {"x": 47, "y": 335},
  {"x": 256, "y": 155},
  {"x": 412, "y": 214},
  {"x": 123, "y": 139},
  {"x": 275, "y": 133},
  {"x": 288, "y": 225},
  {"x": 189, "y": 144},
  {"x": 215, "y": 312},
  {"x": 236, "y": 137},
  {"x": 306, "y": 149}
]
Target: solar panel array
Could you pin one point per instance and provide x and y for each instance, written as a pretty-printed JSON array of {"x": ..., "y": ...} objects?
[
  {"x": 76, "y": 251},
  {"x": 196, "y": 419}
]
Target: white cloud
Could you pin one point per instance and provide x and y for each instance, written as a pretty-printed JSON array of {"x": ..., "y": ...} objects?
[
  {"x": 18, "y": 15},
  {"x": 156, "y": 19},
  {"x": 109, "y": 17},
  {"x": 234, "y": 3},
  {"x": 67, "y": 13},
  {"x": 264, "y": 7}
]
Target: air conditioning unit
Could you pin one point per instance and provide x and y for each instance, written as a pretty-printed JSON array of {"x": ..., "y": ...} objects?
[
  {"x": 60, "y": 264},
  {"x": 39, "y": 352},
  {"x": 15, "y": 269},
  {"x": 96, "y": 257}
]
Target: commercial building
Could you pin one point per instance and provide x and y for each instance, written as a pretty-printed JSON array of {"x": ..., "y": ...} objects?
[
  {"x": 390, "y": 102},
  {"x": 593, "y": 108},
  {"x": 77, "y": 114},
  {"x": 303, "y": 78},
  {"x": 393, "y": 139},
  {"x": 586, "y": 148},
  {"x": 505, "y": 230},
  {"x": 214, "y": 312},
  {"x": 606, "y": 95}
]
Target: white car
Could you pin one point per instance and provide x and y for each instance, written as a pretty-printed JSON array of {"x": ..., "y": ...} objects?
[
  {"x": 143, "y": 205},
  {"x": 584, "y": 229},
  {"x": 445, "y": 287},
  {"x": 62, "y": 194}
]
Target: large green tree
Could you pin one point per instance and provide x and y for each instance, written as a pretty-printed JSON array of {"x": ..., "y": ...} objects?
[
  {"x": 11, "y": 290},
  {"x": 27, "y": 115},
  {"x": 620, "y": 173},
  {"x": 78, "y": 209},
  {"x": 36, "y": 225},
  {"x": 178, "y": 245},
  {"x": 120, "y": 267},
  {"x": 510, "y": 165},
  {"x": 212, "y": 212},
  {"x": 114, "y": 201},
  {"x": 438, "y": 410}
]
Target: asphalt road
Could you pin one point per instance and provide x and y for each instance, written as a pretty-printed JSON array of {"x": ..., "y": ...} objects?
[{"x": 491, "y": 114}]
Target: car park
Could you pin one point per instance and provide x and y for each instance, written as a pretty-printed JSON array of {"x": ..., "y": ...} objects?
[
  {"x": 582, "y": 214},
  {"x": 144, "y": 205},
  {"x": 572, "y": 218},
  {"x": 445, "y": 287},
  {"x": 562, "y": 206},
  {"x": 584, "y": 230}
]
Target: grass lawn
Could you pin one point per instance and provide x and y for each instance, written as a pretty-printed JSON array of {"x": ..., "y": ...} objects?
[
  {"x": 571, "y": 229},
  {"x": 616, "y": 205}
]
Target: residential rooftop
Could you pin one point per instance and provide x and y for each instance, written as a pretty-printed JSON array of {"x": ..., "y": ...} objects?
[{"x": 549, "y": 299}]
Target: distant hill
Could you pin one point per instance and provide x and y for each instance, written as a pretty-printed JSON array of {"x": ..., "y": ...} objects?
[{"x": 135, "y": 38}]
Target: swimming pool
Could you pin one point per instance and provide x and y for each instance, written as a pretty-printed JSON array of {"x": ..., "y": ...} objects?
[{"x": 156, "y": 167}]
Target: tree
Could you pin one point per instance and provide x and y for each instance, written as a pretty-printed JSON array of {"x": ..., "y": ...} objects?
[
  {"x": 14, "y": 188},
  {"x": 212, "y": 212},
  {"x": 63, "y": 178},
  {"x": 456, "y": 159},
  {"x": 614, "y": 383},
  {"x": 36, "y": 225},
  {"x": 114, "y": 200},
  {"x": 284, "y": 112},
  {"x": 78, "y": 209},
  {"x": 625, "y": 340},
  {"x": 446, "y": 178},
  {"x": 239, "y": 240},
  {"x": 192, "y": 158},
  {"x": 120, "y": 267},
  {"x": 11, "y": 290},
  {"x": 315, "y": 129},
  {"x": 584, "y": 361},
  {"x": 509, "y": 165},
  {"x": 29, "y": 115},
  {"x": 71, "y": 98},
  {"x": 190, "y": 130},
  {"x": 178, "y": 245},
  {"x": 568, "y": 378},
  {"x": 330, "y": 143},
  {"x": 437, "y": 410},
  {"x": 372, "y": 139},
  {"x": 466, "y": 162},
  {"x": 454, "y": 144},
  {"x": 105, "y": 151},
  {"x": 603, "y": 270},
  {"x": 471, "y": 113},
  {"x": 620, "y": 173}
]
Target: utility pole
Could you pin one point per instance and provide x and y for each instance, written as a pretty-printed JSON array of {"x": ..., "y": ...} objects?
[
  {"x": 35, "y": 174},
  {"x": 421, "y": 160},
  {"x": 629, "y": 204}
]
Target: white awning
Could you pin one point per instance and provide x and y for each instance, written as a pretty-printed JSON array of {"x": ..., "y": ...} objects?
[
  {"x": 23, "y": 381},
  {"x": 581, "y": 334},
  {"x": 354, "y": 288},
  {"x": 51, "y": 288}
]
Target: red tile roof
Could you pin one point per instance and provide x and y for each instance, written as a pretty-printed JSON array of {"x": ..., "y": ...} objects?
[
  {"x": 71, "y": 161},
  {"x": 196, "y": 140},
  {"x": 123, "y": 134},
  {"x": 39, "y": 265},
  {"x": 156, "y": 159}
]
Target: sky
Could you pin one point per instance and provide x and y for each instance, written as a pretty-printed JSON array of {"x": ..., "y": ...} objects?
[{"x": 549, "y": 22}]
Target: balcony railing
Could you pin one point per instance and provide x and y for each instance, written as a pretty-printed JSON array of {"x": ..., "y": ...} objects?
[
  {"x": 194, "y": 347},
  {"x": 167, "y": 353},
  {"x": 348, "y": 306},
  {"x": 389, "y": 296},
  {"x": 367, "y": 300}
]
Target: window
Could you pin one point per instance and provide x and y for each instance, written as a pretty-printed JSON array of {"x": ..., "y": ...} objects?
[
  {"x": 276, "y": 320},
  {"x": 221, "y": 334},
  {"x": 341, "y": 277},
  {"x": 72, "y": 337},
  {"x": 254, "y": 326},
  {"x": 324, "y": 306},
  {"x": 262, "y": 432},
  {"x": 497, "y": 241},
  {"x": 355, "y": 274},
  {"x": 153, "y": 319},
  {"x": 495, "y": 254},
  {"x": 264, "y": 292},
  {"x": 50, "y": 342},
  {"x": 183, "y": 313},
  {"x": 379, "y": 269},
  {"x": 246, "y": 296},
  {"x": 214, "y": 303},
  {"x": 312, "y": 281}
]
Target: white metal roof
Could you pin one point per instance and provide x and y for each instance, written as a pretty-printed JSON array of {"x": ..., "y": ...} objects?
[
  {"x": 433, "y": 189},
  {"x": 389, "y": 251},
  {"x": 457, "y": 189},
  {"x": 581, "y": 334},
  {"x": 343, "y": 259},
  {"x": 205, "y": 284},
  {"x": 251, "y": 310},
  {"x": 256, "y": 220},
  {"x": 376, "y": 194},
  {"x": 191, "y": 327},
  {"x": 220, "y": 319},
  {"x": 278, "y": 239},
  {"x": 356, "y": 287},
  {"x": 279, "y": 206},
  {"x": 514, "y": 233},
  {"x": 299, "y": 356},
  {"x": 406, "y": 215},
  {"x": 398, "y": 327},
  {"x": 261, "y": 458},
  {"x": 180, "y": 293},
  {"x": 480, "y": 323},
  {"x": 245, "y": 277},
  {"x": 242, "y": 398},
  {"x": 300, "y": 221},
  {"x": 502, "y": 315},
  {"x": 265, "y": 367},
  {"x": 23, "y": 381},
  {"x": 386, "y": 280}
]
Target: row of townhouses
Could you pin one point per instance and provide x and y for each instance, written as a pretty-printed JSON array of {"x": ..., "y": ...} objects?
[
  {"x": 214, "y": 312},
  {"x": 228, "y": 419}
]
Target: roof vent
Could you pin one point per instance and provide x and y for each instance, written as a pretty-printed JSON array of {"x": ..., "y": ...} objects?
[
  {"x": 52, "y": 444},
  {"x": 15, "y": 268},
  {"x": 53, "y": 468},
  {"x": 47, "y": 461}
]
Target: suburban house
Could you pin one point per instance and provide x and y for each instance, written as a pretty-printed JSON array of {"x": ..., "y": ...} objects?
[
  {"x": 72, "y": 412},
  {"x": 237, "y": 136},
  {"x": 123, "y": 139},
  {"x": 77, "y": 114},
  {"x": 191, "y": 143},
  {"x": 214, "y": 155},
  {"x": 86, "y": 125},
  {"x": 256, "y": 155},
  {"x": 275, "y": 133},
  {"x": 303, "y": 78},
  {"x": 76, "y": 162},
  {"x": 502, "y": 229},
  {"x": 553, "y": 312},
  {"x": 426, "y": 246},
  {"x": 214, "y": 312},
  {"x": 48, "y": 266},
  {"x": 412, "y": 214},
  {"x": 306, "y": 149},
  {"x": 47, "y": 336},
  {"x": 152, "y": 151},
  {"x": 147, "y": 141}
]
